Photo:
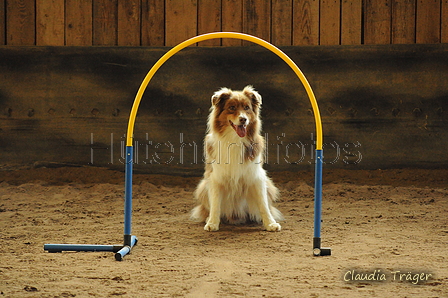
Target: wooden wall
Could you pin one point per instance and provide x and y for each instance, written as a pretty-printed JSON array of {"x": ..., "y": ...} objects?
[
  {"x": 168, "y": 22},
  {"x": 382, "y": 106}
]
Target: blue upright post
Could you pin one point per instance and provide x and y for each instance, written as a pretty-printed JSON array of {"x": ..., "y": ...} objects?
[
  {"x": 128, "y": 196},
  {"x": 129, "y": 240},
  {"x": 318, "y": 194},
  {"x": 317, "y": 249}
]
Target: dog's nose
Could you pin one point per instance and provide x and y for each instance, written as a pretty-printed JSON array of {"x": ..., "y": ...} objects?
[{"x": 243, "y": 120}]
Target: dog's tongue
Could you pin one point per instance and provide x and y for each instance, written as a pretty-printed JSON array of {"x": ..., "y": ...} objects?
[{"x": 241, "y": 130}]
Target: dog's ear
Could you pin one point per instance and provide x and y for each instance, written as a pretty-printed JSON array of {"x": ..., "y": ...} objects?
[
  {"x": 250, "y": 92},
  {"x": 220, "y": 96}
]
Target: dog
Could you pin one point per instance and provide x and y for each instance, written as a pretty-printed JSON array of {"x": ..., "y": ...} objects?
[{"x": 235, "y": 188}]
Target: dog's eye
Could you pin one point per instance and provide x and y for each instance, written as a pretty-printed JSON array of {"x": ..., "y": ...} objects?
[
  {"x": 246, "y": 108},
  {"x": 232, "y": 108}
]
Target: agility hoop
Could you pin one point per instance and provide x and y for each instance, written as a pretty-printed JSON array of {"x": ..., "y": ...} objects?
[
  {"x": 234, "y": 35},
  {"x": 129, "y": 240},
  {"x": 317, "y": 249}
]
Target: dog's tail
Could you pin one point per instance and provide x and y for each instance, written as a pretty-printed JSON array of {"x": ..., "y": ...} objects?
[
  {"x": 273, "y": 195},
  {"x": 200, "y": 213},
  {"x": 273, "y": 192},
  {"x": 278, "y": 216}
]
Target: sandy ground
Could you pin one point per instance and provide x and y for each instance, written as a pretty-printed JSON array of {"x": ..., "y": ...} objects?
[{"x": 387, "y": 221}]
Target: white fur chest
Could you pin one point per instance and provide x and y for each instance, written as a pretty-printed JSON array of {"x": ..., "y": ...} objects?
[{"x": 228, "y": 160}]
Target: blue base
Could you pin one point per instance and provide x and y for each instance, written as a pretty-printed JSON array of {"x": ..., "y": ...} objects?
[
  {"x": 129, "y": 240},
  {"x": 119, "y": 250},
  {"x": 126, "y": 249},
  {"x": 81, "y": 247}
]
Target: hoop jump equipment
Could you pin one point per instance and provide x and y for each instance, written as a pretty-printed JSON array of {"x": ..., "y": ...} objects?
[{"x": 129, "y": 240}]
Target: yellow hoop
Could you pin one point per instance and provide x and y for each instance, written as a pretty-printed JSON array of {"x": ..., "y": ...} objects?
[{"x": 235, "y": 35}]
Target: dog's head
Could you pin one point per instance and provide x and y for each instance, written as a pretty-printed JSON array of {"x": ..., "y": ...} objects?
[{"x": 238, "y": 110}]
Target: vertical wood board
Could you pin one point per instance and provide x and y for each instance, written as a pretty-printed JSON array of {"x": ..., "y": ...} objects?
[
  {"x": 281, "y": 22},
  {"x": 330, "y": 17},
  {"x": 305, "y": 22},
  {"x": 78, "y": 22},
  {"x": 209, "y": 20},
  {"x": 181, "y": 21},
  {"x": 444, "y": 22},
  {"x": 50, "y": 22},
  {"x": 129, "y": 23},
  {"x": 403, "y": 21},
  {"x": 105, "y": 22},
  {"x": 377, "y": 21},
  {"x": 257, "y": 19},
  {"x": 20, "y": 22},
  {"x": 153, "y": 23},
  {"x": 428, "y": 21},
  {"x": 2, "y": 23},
  {"x": 232, "y": 20},
  {"x": 351, "y": 20}
]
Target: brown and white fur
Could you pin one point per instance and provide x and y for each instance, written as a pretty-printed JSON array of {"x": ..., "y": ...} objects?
[{"x": 235, "y": 187}]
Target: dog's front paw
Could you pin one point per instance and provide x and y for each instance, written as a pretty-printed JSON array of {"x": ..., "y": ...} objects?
[
  {"x": 211, "y": 227},
  {"x": 274, "y": 227}
]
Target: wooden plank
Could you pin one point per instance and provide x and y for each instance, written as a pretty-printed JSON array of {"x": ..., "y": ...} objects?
[
  {"x": 20, "y": 22},
  {"x": 306, "y": 22},
  {"x": 67, "y": 108},
  {"x": 351, "y": 20},
  {"x": 282, "y": 22},
  {"x": 181, "y": 21},
  {"x": 78, "y": 22},
  {"x": 105, "y": 22},
  {"x": 232, "y": 20},
  {"x": 2, "y": 23},
  {"x": 377, "y": 24},
  {"x": 209, "y": 20},
  {"x": 153, "y": 23},
  {"x": 428, "y": 21},
  {"x": 129, "y": 23},
  {"x": 257, "y": 19},
  {"x": 403, "y": 21},
  {"x": 50, "y": 23},
  {"x": 444, "y": 23},
  {"x": 330, "y": 16}
]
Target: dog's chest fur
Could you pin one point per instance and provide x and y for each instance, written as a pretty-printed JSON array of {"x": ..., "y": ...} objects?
[{"x": 231, "y": 156}]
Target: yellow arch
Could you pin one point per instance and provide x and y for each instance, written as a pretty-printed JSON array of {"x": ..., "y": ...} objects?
[{"x": 235, "y": 35}]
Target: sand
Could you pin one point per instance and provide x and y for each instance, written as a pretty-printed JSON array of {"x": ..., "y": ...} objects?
[{"x": 387, "y": 226}]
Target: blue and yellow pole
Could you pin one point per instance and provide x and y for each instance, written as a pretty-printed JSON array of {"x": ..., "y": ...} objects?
[
  {"x": 234, "y": 35},
  {"x": 319, "y": 135},
  {"x": 129, "y": 240}
]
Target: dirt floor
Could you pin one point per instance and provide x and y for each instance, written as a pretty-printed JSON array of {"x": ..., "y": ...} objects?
[{"x": 390, "y": 227}]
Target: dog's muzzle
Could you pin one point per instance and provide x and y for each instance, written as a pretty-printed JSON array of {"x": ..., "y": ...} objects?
[{"x": 240, "y": 129}]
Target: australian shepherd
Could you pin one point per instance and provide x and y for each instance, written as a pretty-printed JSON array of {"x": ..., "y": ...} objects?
[{"x": 235, "y": 188}]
